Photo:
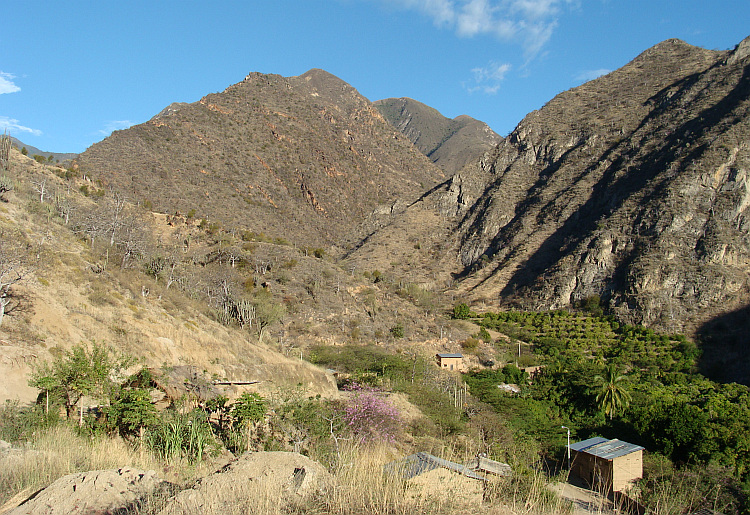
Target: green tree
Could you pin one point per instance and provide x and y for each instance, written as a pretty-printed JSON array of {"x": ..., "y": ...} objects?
[
  {"x": 248, "y": 409},
  {"x": 79, "y": 372},
  {"x": 132, "y": 411},
  {"x": 613, "y": 396}
]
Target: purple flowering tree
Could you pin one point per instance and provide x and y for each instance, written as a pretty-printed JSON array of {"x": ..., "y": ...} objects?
[{"x": 369, "y": 416}]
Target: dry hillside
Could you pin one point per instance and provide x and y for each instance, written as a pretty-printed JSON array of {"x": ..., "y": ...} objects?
[
  {"x": 170, "y": 292},
  {"x": 305, "y": 159}
]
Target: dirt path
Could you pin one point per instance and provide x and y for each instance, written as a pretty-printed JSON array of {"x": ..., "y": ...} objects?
[{"x": 585, "y": 502}]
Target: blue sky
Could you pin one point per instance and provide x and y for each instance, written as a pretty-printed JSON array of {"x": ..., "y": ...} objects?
[{"x": 73, "y": 71}]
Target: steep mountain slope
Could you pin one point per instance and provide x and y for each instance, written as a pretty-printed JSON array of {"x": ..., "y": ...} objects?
[
  {"x": 632, "y": 187},
  {"x": 302, "y": 158},
  {"x": 62, "y": 291},
  {"x": 79, "y": 264},
  {"x": 450, "y": 144}
]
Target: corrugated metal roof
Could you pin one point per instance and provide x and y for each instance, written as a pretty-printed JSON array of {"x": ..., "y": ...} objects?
[
  {"x": 605, "y": 448},
  {"x": 444, "y": 355},
  {"x": 584, "y": 444},
  {"x": 422, "y": 462}
]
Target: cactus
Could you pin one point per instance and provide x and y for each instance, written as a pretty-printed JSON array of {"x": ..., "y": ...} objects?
[{"x": 5, "y": 151}]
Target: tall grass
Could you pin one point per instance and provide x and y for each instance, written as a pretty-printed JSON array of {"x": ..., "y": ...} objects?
[{"x": 61, "y": 450}]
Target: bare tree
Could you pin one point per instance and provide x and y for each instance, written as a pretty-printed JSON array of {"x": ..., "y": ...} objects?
[
  {"x": 14, "y": 268},
  {"x": 6, "y": 185},
  {"x": 131, "y": 239},
  {"x": 116, "y": 216},
  {"x": 40, "y": 186},
  {"x": 64, "y": 206}
]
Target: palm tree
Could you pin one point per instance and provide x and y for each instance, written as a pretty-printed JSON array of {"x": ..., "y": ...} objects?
[{"x": 613, "y": 395}]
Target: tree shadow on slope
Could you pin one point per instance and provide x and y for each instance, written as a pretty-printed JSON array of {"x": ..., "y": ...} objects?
[
  {"x": 725, "y": 341},
  {"x": 614, "y": 188}
]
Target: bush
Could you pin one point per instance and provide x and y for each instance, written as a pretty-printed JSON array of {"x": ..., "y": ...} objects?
[
  {"x": 179, "y": 435},
  {"x": 370, "y": 417},
  {"x": 397, "y": 331},
  {"x": 461, "y": 311},
  {"x": 131, "y": 412},
  {"x": 470, "y": 344},
  {"x": 248, "y": 408},
  {"x": 18, "y": 424}
]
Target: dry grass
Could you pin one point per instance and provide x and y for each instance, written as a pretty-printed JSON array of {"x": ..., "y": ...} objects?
[
  {"x": 358, "y": 486},
  {"x": 61, "y": 451}
]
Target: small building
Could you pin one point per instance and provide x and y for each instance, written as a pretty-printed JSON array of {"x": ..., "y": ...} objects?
[
  {"x": 450, "y": 361},
  {"x": 607, "y": 465}
]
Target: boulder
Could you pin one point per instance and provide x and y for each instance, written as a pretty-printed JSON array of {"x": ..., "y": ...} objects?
[
  {"x": 265, "y": 479},
  {"x": 97, "y": 492}
]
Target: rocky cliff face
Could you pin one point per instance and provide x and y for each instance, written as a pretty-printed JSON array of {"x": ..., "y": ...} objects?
[{"x": 632, "y": 187}]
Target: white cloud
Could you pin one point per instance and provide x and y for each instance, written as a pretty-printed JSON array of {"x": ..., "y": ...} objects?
[
  {"x": 535, "y": 9},
  {"x": 115, "y": 125},
  {"x": 588, "y": 75},
  {"x": 487, "y": 79},
  {"x": 12, "y": 125},
  {"x": 6, "y": 83},
  {"x": 528, "y": 23}
]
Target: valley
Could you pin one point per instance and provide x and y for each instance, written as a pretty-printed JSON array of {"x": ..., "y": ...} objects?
[{"x": 307, "y": 249}]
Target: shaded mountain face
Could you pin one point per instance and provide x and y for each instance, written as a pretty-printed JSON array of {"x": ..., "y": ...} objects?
[
  {"x": 304, "y": 159},
  {"x": 450, "y": 143},
  {"x": 633, "y": 187}
]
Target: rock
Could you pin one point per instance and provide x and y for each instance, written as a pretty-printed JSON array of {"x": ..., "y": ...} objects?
[
  {"x": 272, "y": 478},
  {"x": 95, "y": 492}
]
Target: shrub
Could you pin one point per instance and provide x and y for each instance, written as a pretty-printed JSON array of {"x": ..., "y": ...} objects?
[
  {"x": 461, "y": 311},
  {"x": 248, "y": 408},
  {"x": 397, "y": 331},
  {"x": 370, "y": 417},
  {"x": 179, "y": 435},
  {"x": 470, "y": 344},
  {"x": 132, "y": 411}
]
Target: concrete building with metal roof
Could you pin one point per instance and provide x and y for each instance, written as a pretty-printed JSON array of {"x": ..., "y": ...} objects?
[
  {"x": 607, "y": 465},
  {"x": 450, "y": 361}
]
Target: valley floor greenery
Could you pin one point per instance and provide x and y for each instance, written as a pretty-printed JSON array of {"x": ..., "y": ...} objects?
[{"x": 600, "y": 377}]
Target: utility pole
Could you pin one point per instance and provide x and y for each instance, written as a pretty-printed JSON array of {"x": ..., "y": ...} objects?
[{"x": 568, "y": 445}]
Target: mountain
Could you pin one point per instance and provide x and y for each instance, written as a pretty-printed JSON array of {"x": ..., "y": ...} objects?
[
  {"x": 57, "y": 157},
  {"x": 450, "y": 143},
  {"x": 305, "y": 159},
  {"x": 632, "y": 188}
]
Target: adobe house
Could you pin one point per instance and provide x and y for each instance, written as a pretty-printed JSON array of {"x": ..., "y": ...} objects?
[
  {"x": 607, "y": 465},
  {"x": 450, "y": 361}
]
